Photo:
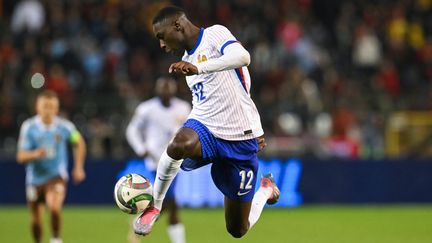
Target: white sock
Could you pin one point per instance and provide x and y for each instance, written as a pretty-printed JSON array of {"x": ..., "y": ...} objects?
[
  {"x": 166, "y": 172},
  {"x": 56, "y": 240},
  {"x": 258, "y": 202},
  {"x": 176, "y": 233}
]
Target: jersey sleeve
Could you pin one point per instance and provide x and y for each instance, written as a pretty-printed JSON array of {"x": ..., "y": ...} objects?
[
  {"x": 135, "y": 128},
  {"x": 71, "y": 132},
  {"x": 221, "y": 37},
  {"x": 25, "y": 141}
]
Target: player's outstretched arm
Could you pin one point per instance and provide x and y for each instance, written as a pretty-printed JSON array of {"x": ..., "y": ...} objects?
[
  {"x": 133, "y": 132},
  {"x": 79, "y": 153},
  {"x": 234, "y": 56},
  {"x": 184, "y": 68}
]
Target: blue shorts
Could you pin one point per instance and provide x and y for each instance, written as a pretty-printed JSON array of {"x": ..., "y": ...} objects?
[{"x": 234, "y": 163}]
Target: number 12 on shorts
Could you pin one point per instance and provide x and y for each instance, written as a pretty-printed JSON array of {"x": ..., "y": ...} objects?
[{"x": 246, "y": 176}]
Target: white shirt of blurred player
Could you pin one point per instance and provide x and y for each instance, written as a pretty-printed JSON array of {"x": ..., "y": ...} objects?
[
  {"x": 221, "y": 100},
  {"x": 28, "y": 15},
  {"x": 153, "y": 126}
]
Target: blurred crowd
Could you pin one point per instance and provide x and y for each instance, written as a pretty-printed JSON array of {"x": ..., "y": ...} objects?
[{"x": 326, "y": 75}]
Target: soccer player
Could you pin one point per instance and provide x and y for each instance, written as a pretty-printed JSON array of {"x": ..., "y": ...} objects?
[
  {"x": 151, "y": 128},
  {"x": 224, "y": 127},
  {"x": 42, "y": 147}
]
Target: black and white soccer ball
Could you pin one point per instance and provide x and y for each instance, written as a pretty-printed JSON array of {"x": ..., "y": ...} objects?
[{"x": 133, "y": 193}]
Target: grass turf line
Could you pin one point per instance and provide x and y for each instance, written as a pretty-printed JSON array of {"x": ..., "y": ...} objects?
[{"x": 314, "y": 224}]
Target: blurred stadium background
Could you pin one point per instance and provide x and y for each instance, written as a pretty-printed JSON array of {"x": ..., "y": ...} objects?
[{"x": 344, "y": 89}]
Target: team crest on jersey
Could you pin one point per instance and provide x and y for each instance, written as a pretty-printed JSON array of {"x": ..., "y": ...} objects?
[
  {"x": 58, "y": 138},
  {"x": 202, "y": 58}
]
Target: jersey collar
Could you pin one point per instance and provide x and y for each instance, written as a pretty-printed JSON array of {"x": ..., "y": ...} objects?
[
  {"x": 197, "y": 43},
  {"x": 45, "y": 127}
]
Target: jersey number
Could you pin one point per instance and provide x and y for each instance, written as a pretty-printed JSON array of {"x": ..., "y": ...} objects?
[
  {"x": 243, "y": 175},
  {"x": 198, "y": 90}
]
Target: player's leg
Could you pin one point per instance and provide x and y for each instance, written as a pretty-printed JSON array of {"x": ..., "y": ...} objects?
[
  {"x": 170, "y": 206},
  {"x": 36, "y": 214},
  {"x": 185, "y": 144},
  {"x": 267, "y": 193},
  {"x": 241, "y": 216},
  {"x": 176, "y": 230},
  {"x": 235, "y": 175},
  {"x": 55, "y": 195},
  {"x": 236, "y": 180},
  {"x": 236, "y": 217},
  {"x": 131, "y": 236},
  {"x": 35, "y": 202}
]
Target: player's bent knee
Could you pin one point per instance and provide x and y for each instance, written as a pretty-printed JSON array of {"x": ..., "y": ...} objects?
[
  {"x": 189, "y": 145},
  {"x": 36, "y": 220},
  {"x": 55, "y": 211},
  {"x": 175, "y": 150},
  {"x": 237, "y": 232},
  {"x": 181, "y": 147},
  {"x": 55, "y": 208}
]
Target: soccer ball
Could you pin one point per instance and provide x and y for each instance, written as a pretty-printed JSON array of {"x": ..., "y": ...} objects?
[{"x": 133, "y": 193}]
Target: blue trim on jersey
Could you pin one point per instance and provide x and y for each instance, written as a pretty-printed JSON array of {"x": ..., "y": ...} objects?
[
  {"x": 197, "y": 43},
  {"x": 242, "y": 81},
  {"x": 226, "y": 44}
]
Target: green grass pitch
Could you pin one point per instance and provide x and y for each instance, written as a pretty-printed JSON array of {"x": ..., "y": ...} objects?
[{"x": 314, "y": 224}]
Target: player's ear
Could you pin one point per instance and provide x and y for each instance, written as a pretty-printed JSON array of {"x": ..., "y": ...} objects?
[{"x": 177, "y": 25}]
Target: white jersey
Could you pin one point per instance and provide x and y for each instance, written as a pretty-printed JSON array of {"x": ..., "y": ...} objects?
[
  {"x": 154, "y": 125},
  {"x": 221, "y": 100}
]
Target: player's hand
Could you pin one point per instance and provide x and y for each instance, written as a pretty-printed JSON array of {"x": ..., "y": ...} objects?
[
  {"x": 184, "y": 68},
  {"x": 261, "y": 143},
  {"x": 78, "y": 175},
  {"x": 39, "y": 153}
]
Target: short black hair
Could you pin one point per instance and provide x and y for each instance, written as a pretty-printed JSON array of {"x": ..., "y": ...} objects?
[
  {"x": 167, "y": 12},
  {"x": 48, "y": 94}
]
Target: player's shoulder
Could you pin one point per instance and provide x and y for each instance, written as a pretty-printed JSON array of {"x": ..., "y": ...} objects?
[
  {"x": 217, "y": 28},
  {"x": 65, "y": 123},
  {"x": 147, "y": 104},
  {"x": 28, "y": 123},
  {"x": 218, "y": 33}
]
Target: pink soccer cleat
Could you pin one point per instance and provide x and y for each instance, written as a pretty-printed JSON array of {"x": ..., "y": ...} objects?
[
  {"x": 268, "y": 181},
  {"x": 143, "y": 225}
]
